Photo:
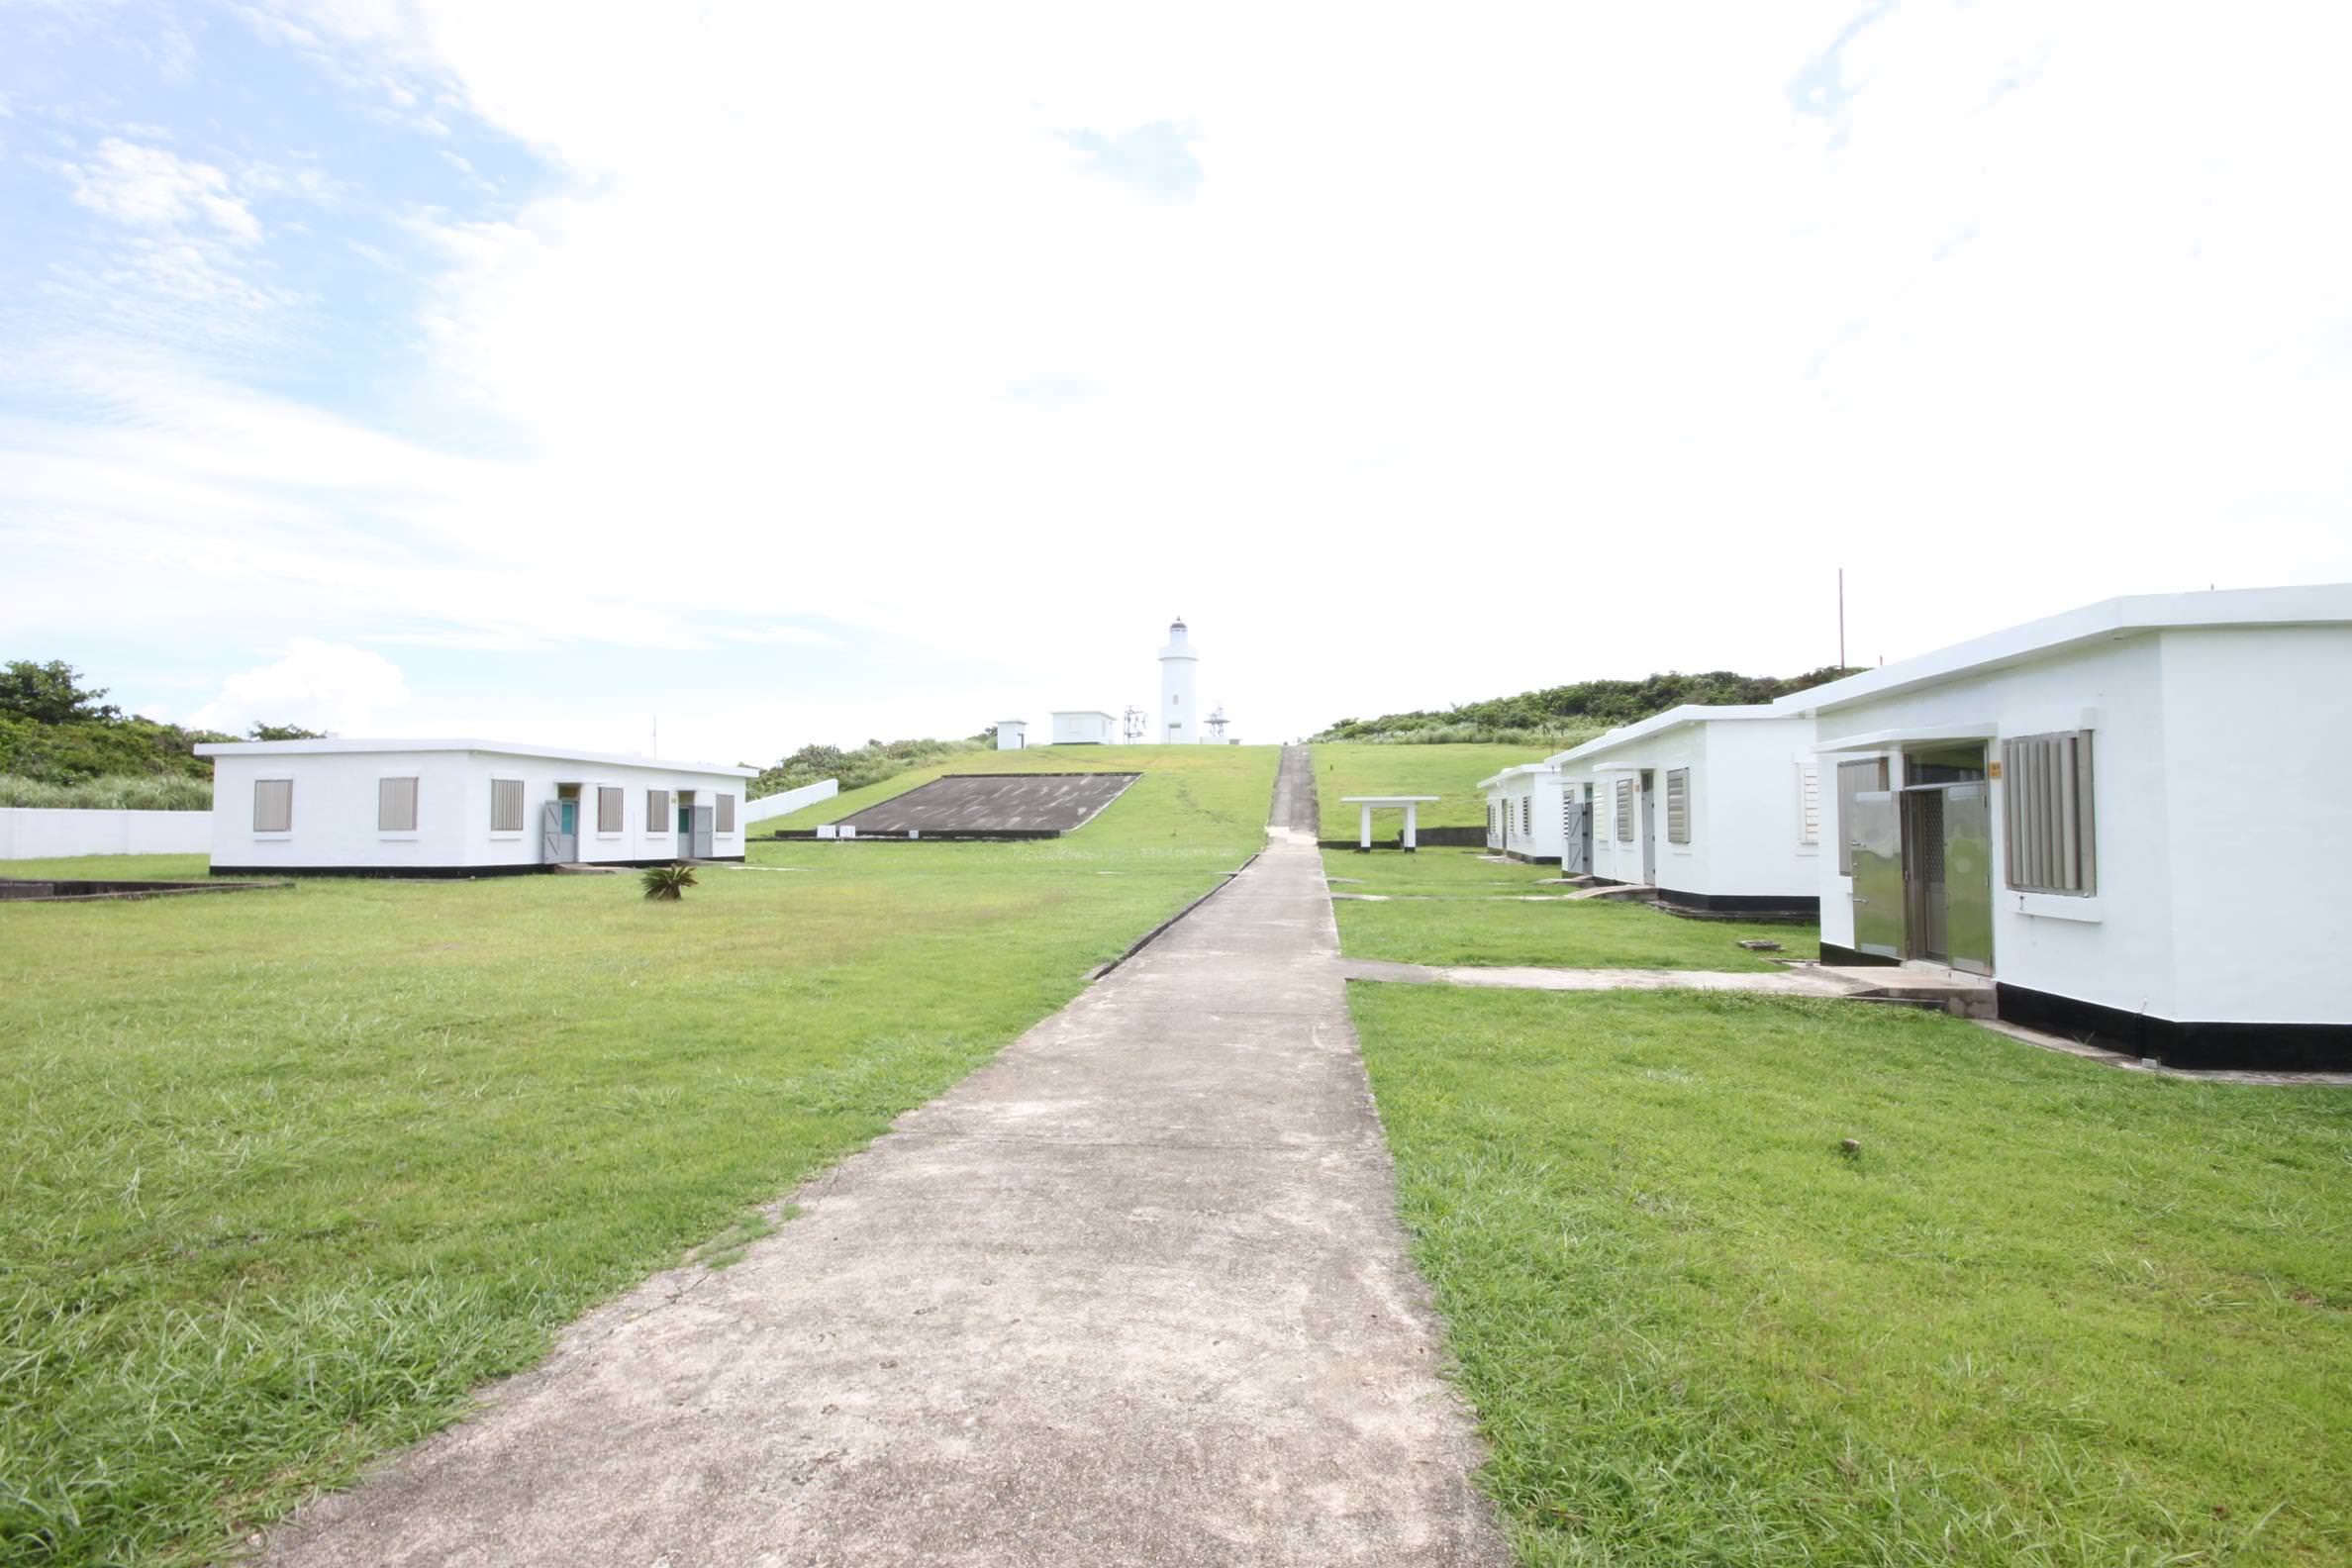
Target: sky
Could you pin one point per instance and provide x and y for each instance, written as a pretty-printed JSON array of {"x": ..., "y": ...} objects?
[{"x": 717, "y": 379}]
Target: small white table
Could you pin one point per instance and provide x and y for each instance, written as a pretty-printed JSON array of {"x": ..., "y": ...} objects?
[{"x": 1412, "y": 805}]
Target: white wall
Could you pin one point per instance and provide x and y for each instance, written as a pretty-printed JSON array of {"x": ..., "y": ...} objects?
[
  {"x": 41, "y": 833},
  {"x": 336, "y": 796},
  {"x": 1744, "y": 840},
  {"x": 790, "y": 801},
  {"x": 1083, "y": 728},
  {"x": 1746, "y": 818},
  {"x": 2116, "y": 948},
  {"x": 2257, "y": 741},
  {"x": 1532, "y": 798}
]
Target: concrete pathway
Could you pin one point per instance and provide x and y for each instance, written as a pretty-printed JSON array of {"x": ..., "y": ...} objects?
[
  {"x": 1133, "y": 1293},
  {"x": 1965, "y": 995}
]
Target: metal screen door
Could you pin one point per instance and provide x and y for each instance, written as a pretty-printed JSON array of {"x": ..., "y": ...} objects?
[
  {"x": 705, "y": 819},
  {"x": 1873, "y": 828},
  {"x": 557, "y": 846},
  {"x": 1968, "y": 877},
  {"x": 1576, "y": 838}
]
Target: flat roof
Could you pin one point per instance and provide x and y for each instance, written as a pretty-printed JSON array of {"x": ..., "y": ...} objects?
[
  {"x": 1672, "y": 719},
  {"x": 336, "y": 746},
  {"x": 2324, "y": 604}
]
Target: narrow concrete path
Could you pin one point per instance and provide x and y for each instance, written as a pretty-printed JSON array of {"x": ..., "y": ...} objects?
[{"x": 1133, "y": 1293}]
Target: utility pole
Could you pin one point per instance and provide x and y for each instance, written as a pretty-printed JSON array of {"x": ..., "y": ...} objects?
[{"x": 1841, "y": 663}]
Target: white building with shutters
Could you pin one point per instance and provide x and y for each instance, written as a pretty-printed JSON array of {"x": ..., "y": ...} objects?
[
  {"x": 1084, "y": 727},
  {"x": 1524, "y": 817},
  {"x": 2136, "y": 817},
  {"x": 1716, "y": 808},
  {"x": 461, "y": 808}
]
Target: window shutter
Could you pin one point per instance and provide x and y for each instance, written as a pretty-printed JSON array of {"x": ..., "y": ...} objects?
[
  {"x": 726, "y": 821},
  {"x": 1624, "y": 811},
  {"x": 1808, "y": 803},
  {"x": 2046, "y": 799},
  {"x": 274, "y": 805},
  {"x": 506, "y": 805},
  {"x": 657, "y": 811},
  {"x": 608, "y": 808},
  {"x": 396, "y": 805},
  {"x": 1678, "y": 805}
]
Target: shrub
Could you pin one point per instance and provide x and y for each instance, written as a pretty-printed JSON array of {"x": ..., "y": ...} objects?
[
  {"x": 112, "y": 792},
  {"x": 668, "y": 884}
]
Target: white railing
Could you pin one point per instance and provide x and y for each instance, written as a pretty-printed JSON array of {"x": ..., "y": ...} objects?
[{"x": 790, "y": 801}]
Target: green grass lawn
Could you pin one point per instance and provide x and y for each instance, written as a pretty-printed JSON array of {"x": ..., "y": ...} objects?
[
  {"x": 1444, "y": 872},
  {"x": 2053, "y": 1313},
  {"x": 1592, "y": 933},
  {"x": 1449, "y": 772},
  {"x": 1217, "y": 778},
  {"x": 284, "y": 1174}
]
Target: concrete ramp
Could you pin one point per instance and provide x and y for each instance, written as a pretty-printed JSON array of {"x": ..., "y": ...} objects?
[{"x": 992, "y": 806}]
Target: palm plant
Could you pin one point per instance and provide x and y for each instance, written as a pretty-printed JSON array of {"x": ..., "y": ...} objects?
[{"x": 668, "y": 883}]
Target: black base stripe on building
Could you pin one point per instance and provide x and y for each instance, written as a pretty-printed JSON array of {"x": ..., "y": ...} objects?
[{"x": 2261, "y": 1047}]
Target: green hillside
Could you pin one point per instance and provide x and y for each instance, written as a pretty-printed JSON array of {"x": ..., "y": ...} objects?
[{"x": 1574, "y": 712}]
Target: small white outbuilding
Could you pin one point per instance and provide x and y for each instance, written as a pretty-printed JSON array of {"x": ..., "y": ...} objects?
[
  {"x": 1012, "y": 733},
  {"x": 1083, "y": 727},
  {"x": 2132, "y": 815},
  {"x": 1718, "y": 808},
  {"x": 461, "y": 808},
  {"x": 1525, "y": 819}
]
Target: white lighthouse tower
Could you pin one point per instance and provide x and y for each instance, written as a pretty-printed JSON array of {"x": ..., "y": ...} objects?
[{"x": 1180, "y": 718}]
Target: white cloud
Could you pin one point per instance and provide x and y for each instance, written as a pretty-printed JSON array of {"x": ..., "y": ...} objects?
[
  {"x": 799, "y": 637},
  {"x": 1546, "y": 344},
  {"x": 327, "y": 686},
  {"x": 155, "y": 188}
]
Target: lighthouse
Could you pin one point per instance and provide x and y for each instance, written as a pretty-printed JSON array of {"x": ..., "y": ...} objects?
[{"x": 1180, "y": 721}]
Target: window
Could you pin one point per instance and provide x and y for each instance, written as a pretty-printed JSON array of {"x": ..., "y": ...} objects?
[
  {"x": 1678, "y": 805},
  {"x": 1526, "y": 815},
  {"x": 396, "y": 805},
  {"x": 608, "y": 808},
  {"x": 1624, "y": 811},
  {"x": 657, "y": 811},
  {"x": 2045, "y": 797},
  {"x": 274, "y": 805},
  {"x": 1852, "y": 780},
  {"x": 725, "y": 823},
  {"x": 506, "y": 805},
  {"x": 1808, "y": 804}
]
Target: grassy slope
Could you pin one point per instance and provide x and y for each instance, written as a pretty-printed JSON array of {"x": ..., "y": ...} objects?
[
  {"x": 1168, "y": 763},
  {"x": 284, "y": 1174},
  {"x": 2053, "y": 1314},
  {"x": 1450, "y": 772}
]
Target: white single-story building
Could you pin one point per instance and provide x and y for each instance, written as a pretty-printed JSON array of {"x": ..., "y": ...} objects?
[
  {"x": 1012, "y": 733},
  {"x": 2132, "y": 815},
  {"x": 1523, "y": 814},
  {"x": 461, "y": 808},
  {"x": 1084, "y": 728},
  {"x": 1718, "y": 808}
]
